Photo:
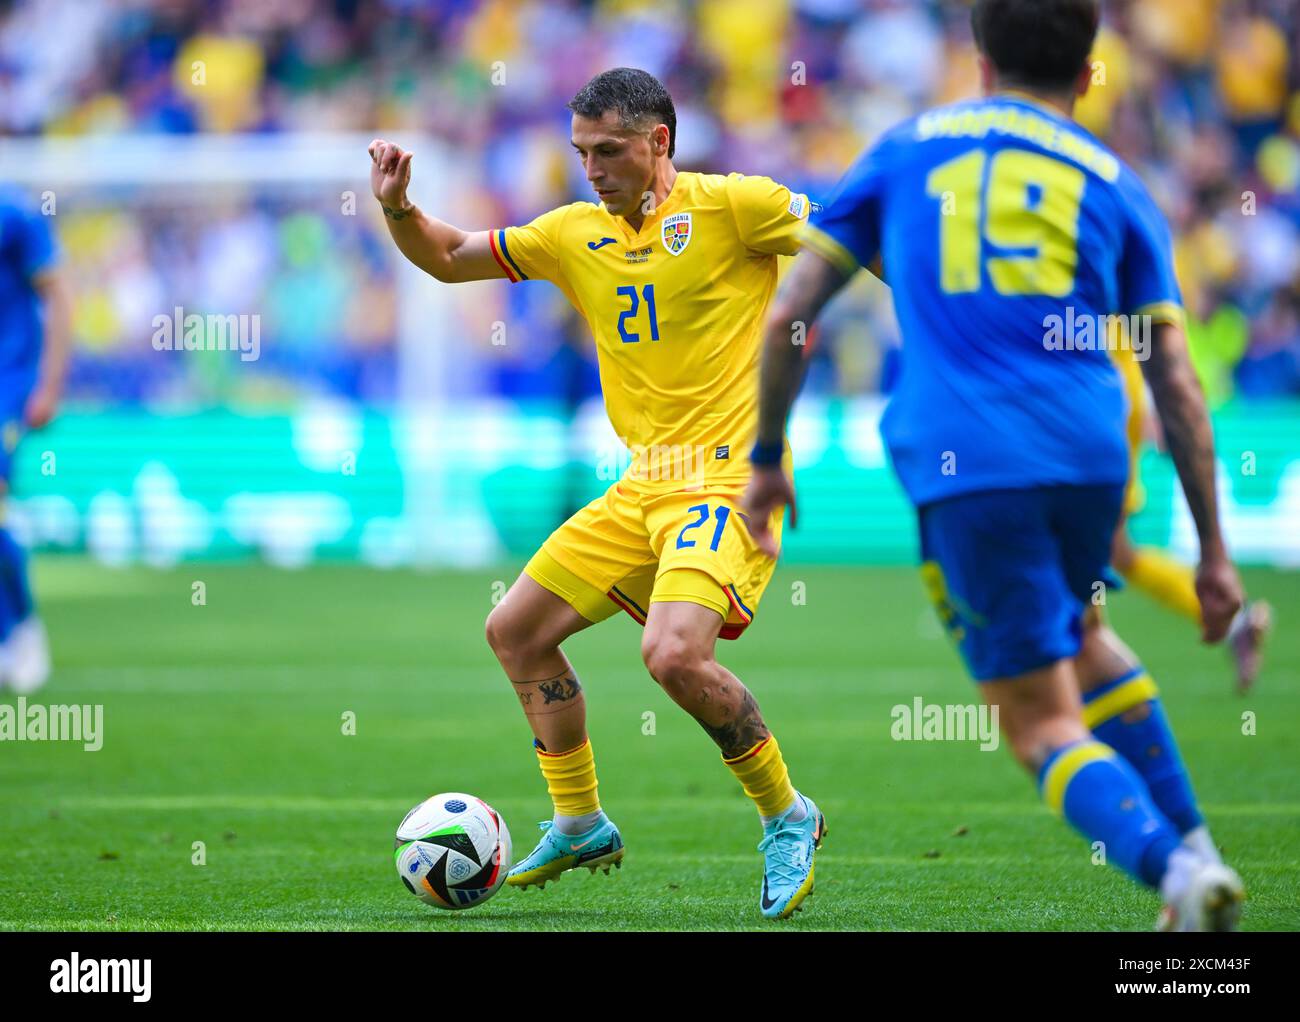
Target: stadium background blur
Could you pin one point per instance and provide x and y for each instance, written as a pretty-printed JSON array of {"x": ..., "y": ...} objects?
[{"x": 381, "y": 424}]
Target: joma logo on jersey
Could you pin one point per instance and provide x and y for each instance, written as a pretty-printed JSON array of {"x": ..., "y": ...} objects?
[{"x": 676, "y": 233}]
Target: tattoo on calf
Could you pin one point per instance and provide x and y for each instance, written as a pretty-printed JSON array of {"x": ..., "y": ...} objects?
[
  {"x": 724, "y": 693},
  {"x": 741, "y": 733},
  {"x": 563, "y": 690},
  {"x": 559, "y": 690}
]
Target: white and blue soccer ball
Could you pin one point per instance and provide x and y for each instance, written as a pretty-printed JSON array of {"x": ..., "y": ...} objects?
[{"x": 453, "y": 851}]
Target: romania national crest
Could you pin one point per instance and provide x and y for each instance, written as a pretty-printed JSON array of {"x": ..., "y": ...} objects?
[{"x": 676, "y": 232}]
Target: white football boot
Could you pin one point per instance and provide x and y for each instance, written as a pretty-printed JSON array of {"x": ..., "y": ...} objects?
[
  {"x": 1246, "y": 637},
  {"x": 26, "y": 656},
  {"x": 1201, "y": 895},
  {"x": 1199, "y": 841}
]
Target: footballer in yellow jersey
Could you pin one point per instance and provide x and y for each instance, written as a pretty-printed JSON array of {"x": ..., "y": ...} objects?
[
  {"x": 673, "y": 273},
  {"x": 675, "y": 308}
]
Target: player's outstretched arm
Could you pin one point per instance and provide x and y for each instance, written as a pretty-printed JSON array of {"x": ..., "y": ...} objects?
[
  {"x": 1189, "y": 436},
  {"x": 809, "y": 285},
  {"x": 441, "y": 250}
]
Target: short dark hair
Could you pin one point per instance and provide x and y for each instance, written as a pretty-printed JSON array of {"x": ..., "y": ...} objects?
[
  {"x": 1036, "y": 43},
  {"x": 635, "y": 94}
]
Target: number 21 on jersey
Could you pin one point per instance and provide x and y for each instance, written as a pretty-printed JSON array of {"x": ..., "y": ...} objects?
[{"x": 648, "y": 293}]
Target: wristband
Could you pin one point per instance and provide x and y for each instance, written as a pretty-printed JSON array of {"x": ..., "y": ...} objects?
[{"x": 767, "y": 455}]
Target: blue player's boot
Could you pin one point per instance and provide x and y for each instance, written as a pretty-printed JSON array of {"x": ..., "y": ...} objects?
[
  {"x": 788, "y": 860},
  {"x": 557, "y": 853}
]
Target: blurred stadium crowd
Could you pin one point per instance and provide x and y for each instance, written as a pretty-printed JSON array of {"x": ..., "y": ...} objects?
[{"x": 1202, "y": 96}]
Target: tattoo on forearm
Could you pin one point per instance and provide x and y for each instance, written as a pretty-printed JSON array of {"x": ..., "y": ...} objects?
[
  {"x": 779, "y": 381},
  {"x": 807, "y": 288},
  {"x": 742, "y": 732},
  {"x": 1192, "y": 448},
  {"x": 556, "y": 694},
  {"x": 397, "y": 214},
  {"x": 1188, "y": 433}
]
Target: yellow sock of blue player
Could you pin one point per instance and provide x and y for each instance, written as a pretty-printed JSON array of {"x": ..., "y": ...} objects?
[
  {"x": 1102, "y": 797},
  {"x": 1166, "y": 580},
  {"x": 1126, "y": 714},
  {"x": 570, "y": 779},
  {"x": 762, "y": 772}
]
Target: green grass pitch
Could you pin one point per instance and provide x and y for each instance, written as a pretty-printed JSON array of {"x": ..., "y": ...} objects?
[{"x": 223, "y": 723}]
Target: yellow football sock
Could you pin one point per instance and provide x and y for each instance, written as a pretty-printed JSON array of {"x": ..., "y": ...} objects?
[
  {"x": 762, "y": 772},
  {"x": 571, "y": 779},
  {"x": 1165, "y": 580}
]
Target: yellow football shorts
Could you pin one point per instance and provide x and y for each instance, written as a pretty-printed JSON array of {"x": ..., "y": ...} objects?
[{"x": 630, "y": 548}]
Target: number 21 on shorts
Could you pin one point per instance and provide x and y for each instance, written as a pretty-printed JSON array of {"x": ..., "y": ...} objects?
[{"x": 702, "y": 513}]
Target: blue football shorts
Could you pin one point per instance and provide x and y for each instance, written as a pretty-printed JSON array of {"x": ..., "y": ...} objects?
[{"x": 1010, "y": 572}]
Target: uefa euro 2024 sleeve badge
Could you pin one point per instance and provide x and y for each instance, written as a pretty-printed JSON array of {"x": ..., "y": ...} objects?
[{"x": 676, "y": 232}]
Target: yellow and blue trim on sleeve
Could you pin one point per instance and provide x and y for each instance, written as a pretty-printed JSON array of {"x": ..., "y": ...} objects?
[
  {"x": 829, "y": 249},
  {"x": 501, "y": 253},
  {"x": 1164, "y": 312}
]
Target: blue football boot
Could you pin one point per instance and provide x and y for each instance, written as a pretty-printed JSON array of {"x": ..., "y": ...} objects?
[
  {"x": 788, "y": 849},
  {"x": 557, "y": 853}
]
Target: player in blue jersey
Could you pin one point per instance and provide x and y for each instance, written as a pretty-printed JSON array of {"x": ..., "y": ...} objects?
[
  {"x": 35, "y": 322},
  {"x": 1008, "y": 235}
]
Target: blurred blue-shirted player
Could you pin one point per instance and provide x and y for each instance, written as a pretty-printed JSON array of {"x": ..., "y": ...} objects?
[
  {"x": 1008, "y": 234},
  {"x": 35, "y": 319}
]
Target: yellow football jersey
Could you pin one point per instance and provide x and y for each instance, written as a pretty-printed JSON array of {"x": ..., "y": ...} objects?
[
  {"x": 677, "y": 311},
  {"x": 1130, "y": 373}
]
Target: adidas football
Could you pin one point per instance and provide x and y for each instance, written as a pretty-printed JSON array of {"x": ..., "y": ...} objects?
[{"x": 453, "y": 851}]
